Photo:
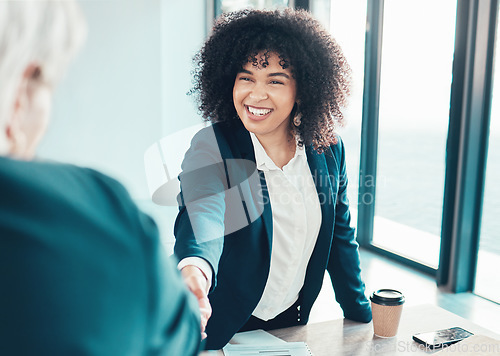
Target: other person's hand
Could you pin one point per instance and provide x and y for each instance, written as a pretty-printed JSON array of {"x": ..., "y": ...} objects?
[{"x": 198, "y": 285}]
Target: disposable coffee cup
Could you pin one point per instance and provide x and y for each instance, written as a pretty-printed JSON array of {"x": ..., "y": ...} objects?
[{"x": 387, "y": 305}]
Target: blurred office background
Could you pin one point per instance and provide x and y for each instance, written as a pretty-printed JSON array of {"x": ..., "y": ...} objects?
[{"x": 422, "y": 133}]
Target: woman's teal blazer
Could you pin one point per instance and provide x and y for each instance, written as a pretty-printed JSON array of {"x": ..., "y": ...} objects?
[{"x": 219, "y": 166}]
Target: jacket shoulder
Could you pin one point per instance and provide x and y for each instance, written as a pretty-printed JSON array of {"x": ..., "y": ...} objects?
[
  {"x": 224, "y": 140},
  {"x": 337, "y": 148}
]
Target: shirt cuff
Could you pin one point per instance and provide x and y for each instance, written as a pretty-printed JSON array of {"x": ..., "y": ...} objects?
[{"x": 202, "y": 264}]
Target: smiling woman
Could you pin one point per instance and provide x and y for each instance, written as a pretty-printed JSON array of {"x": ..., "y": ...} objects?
[{"x": 272, "y": 83}]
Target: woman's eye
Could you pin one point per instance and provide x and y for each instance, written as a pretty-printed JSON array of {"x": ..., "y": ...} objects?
[
  {"x": 245, "y": 79},
  {"x": 276, "y": 82}
]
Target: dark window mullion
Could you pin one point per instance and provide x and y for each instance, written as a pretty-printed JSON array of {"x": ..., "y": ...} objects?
[
  {"x": 467, "y": 142},
  {"x": 369, "y": 125}
]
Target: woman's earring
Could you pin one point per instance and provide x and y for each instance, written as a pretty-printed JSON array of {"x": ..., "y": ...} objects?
[{"x": 297, "y": 119}]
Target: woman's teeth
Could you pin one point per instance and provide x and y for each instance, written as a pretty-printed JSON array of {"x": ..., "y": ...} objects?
[{"x": 258, "y": 112}]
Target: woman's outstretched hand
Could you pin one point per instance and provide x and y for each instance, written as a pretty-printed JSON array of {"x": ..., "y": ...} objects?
[{"x": 198, "y": 285}]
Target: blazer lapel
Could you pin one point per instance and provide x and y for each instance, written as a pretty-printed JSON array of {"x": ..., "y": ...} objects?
[
  {"x": 322, "y": 180},
  {"x": 243, "y": 144},
  {"x": 267, "y": 215},
  {"x": 327, "y": 198}
]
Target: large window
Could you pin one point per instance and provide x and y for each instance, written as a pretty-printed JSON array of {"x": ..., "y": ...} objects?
[{"x": 416, "y": 67}]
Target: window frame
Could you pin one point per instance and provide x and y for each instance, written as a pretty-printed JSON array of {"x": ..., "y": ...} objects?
[
  {"x": 467, "y": 142},
  {"x": 470, "y": 109}
]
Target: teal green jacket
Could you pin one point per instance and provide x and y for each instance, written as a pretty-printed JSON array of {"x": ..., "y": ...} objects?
[
  {"x": 82, "y": 270},
  {"x": 236, "y": 238}
]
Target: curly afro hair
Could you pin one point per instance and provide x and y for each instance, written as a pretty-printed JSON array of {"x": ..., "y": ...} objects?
[{"x": 317, "y": 63}]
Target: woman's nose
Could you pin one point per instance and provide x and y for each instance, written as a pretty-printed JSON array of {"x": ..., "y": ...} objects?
[{"x": 258, "y": 93}]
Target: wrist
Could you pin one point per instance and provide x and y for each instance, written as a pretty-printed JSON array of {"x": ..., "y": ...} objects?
[{"x": 191, "y": 271}]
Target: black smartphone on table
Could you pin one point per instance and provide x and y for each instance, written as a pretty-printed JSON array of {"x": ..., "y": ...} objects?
[{"x": 441, "y": 338}]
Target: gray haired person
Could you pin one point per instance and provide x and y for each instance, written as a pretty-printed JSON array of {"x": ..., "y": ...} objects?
[{"x": 82, "y": 269}]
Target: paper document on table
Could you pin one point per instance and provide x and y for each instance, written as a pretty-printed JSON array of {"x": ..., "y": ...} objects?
[
  {"x": 477, "y": 345},
  {"x": 286, "y": 349},
  {"x": 256, "y": 337}
]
